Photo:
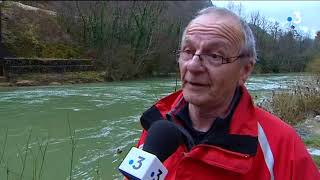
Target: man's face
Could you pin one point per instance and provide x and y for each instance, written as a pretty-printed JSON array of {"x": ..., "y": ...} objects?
[{"x": 205, "y": 85}]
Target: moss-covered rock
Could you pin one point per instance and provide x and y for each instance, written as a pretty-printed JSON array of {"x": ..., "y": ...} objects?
[{"x": 59, "y": 50}]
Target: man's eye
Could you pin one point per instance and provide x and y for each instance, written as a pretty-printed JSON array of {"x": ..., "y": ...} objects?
[
  {"x": 214, "y": 56},
  {"x": 188, "y": 51}
]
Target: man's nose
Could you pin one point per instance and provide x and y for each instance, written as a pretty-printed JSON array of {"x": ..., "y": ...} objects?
[{"x": 195, "y": 64}]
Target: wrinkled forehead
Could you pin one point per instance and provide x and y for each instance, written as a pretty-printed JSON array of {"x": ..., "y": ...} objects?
[{"x": 214, "y": 27}]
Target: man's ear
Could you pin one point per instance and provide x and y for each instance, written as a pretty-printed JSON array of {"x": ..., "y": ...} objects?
[{"x": 245, "y": 72}]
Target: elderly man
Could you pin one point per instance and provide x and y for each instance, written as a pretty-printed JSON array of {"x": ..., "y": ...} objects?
[{"x": 232, "y": 138}]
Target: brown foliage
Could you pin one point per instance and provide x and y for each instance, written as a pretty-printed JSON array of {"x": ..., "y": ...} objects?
[{"x": 300, "y": 102}]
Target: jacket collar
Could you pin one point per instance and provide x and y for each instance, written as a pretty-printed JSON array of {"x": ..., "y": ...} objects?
[{"x": 241, "y": 136}]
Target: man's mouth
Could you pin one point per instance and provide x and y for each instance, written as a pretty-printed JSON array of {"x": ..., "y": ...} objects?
[{"x": 196, "y": 83}]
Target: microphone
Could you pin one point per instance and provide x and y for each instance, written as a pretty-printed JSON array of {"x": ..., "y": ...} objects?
[{"x": 163, "y": 139}]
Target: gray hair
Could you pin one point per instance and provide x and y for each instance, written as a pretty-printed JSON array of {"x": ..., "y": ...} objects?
[{"x": 249, "y": 47}]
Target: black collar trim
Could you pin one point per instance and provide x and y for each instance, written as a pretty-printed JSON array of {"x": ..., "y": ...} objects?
[{"x": 218, "y": 135}]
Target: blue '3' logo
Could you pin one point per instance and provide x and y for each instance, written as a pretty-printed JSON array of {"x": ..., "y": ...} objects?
[{"x": 138, "y": 164}]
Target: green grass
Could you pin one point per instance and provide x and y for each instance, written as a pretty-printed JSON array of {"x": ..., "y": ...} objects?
[
  {"x": 315, "y": 143},
  {"x": 316, "y": 160}
]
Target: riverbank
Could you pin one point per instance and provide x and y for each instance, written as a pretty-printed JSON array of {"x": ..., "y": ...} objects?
[
  {"x": 44, "y": 79},
  {"x": 36, "y": 79}
]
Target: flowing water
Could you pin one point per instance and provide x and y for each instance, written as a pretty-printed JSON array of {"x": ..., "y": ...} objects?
[{"x": 93, "y": 121}]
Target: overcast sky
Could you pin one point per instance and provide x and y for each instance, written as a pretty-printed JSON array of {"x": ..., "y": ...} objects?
[{"x": 305, "y": 14}]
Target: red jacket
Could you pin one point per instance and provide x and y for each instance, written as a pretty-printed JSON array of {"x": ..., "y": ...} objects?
[{"x": 278, "y": 152}]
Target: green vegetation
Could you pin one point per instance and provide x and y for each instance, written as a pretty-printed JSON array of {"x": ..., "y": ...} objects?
[
  {"x": 314, "y": 142},
  {"x": 58, "y": 50},
  {"x": 316, "y": 160}
]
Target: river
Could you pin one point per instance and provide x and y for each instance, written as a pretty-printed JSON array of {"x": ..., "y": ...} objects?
[{"x": 100, "y": 118}]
